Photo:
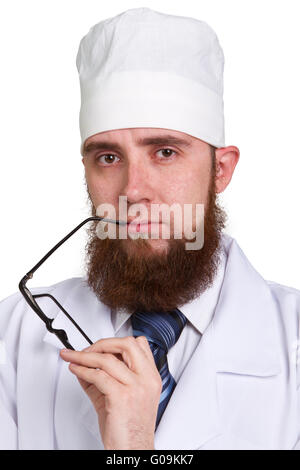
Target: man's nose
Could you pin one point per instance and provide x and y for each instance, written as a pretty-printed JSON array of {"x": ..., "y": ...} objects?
[{"x": 137, "y": 182}]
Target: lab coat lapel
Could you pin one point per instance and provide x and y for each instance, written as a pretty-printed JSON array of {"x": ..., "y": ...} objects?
[
  {"x": 192, "y": 415},
  {"x": 36, "y": 383},
  {"x": 76, "y": 423},
  {"x": 242, "y": 339},
  {"x": 246, "y": 324},
  {"x": 35, "y": 390}
]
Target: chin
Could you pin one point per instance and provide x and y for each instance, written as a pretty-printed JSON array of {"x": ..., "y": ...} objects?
[{"x": 149, "y": 246}]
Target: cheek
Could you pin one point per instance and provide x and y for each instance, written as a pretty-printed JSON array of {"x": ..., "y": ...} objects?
[
  {"x": 191, "y": 188},
  {"x": 100, "y": 191}
]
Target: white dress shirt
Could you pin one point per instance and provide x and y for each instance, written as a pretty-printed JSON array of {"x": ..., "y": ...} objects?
[{"x": 199, "y": 313}]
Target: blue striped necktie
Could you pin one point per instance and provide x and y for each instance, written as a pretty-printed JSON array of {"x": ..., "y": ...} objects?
[{"x": 162, "y": 330}]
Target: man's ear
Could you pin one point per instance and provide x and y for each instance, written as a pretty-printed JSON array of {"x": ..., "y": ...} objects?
[{"x": 226, "y": 160}]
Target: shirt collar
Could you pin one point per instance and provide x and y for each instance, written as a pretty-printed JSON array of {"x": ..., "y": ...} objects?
[{"x": 199, "y": 311}]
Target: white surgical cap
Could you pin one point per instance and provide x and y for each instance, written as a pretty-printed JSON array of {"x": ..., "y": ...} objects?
[{"x": 143, "y": 68}]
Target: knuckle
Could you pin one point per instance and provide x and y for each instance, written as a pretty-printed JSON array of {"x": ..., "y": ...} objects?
[
  {"x": 92, "y": 348},
  {"x": 130, "y": 341},
  {"x": 95, "y": 344},
  {"x": 145, "y": 341},
  {"x": 110, "y": 357},
  {"x": 101, "y": 376},
  {"x": 142, "y": 338},
  {"x": 157, "y": 384}
]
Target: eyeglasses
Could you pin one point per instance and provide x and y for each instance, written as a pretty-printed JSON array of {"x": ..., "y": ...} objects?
[{"x": 30, "y": 298}]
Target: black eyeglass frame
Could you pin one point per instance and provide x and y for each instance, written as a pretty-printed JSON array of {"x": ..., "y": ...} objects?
[{"x": 30, "y": 298}]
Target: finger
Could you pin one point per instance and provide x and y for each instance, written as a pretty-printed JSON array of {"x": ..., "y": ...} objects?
[
  {"x": 87, "y": 349},
  {"x": 104, "y": 383},
  {"x": 108, "y": 362},
  {"x": 144, "y": 344},
  {"x": 91, "y": 390},
  {"x": 85, "y": 385},
  {"x": 128, "y": 347}
]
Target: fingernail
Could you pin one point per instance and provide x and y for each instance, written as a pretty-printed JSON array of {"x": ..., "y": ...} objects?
[{"x": 65, "y": 351}]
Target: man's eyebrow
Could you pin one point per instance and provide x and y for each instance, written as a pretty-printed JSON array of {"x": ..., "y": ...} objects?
[{"x": 144, "y": 141}]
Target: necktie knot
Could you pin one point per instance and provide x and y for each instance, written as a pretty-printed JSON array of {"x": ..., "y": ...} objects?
[{"x": 161, "y": 328}]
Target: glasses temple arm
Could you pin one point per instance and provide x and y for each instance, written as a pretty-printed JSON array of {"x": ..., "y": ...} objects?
[
  {"x": 66, "y": 313},
  {"x": 30, "y": 273}
]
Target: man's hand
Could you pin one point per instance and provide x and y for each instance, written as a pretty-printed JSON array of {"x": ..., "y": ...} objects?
[{"x": 121, "y": 379}]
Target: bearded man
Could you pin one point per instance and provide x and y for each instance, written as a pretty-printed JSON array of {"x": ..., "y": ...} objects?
[{"x": 190, "y": 348}]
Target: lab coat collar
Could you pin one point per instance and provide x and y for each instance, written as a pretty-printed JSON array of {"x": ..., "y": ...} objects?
[{"x": 242, "y": 339}]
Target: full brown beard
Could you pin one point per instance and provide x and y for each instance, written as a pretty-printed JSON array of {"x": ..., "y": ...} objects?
[{"x": 147, "y": 281}]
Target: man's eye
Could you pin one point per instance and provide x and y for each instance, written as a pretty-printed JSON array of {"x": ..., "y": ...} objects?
[
  {"x": 109, "y": 158},
  {"x": 106, "y": 159},
  {"x": 167, "y": 153}
]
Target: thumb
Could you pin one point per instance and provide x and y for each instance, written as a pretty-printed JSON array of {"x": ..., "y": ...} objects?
[{"x": 144, "y": 344}]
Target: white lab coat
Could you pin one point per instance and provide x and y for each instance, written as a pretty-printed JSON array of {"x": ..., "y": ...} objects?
[{"x": 238, "y": 391}]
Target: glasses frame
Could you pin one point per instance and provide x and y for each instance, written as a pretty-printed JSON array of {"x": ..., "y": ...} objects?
[{"x": 30, "y": 298}]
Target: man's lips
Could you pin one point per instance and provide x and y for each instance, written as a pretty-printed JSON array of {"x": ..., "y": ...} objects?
[
  {"x": 137, "y": 221},
  {"x": 142, "y": 222},
  {"x": 140, "y": 225}
]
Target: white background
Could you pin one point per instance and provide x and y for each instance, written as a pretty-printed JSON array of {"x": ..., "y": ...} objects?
[{"x": 42, "y": 184}]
